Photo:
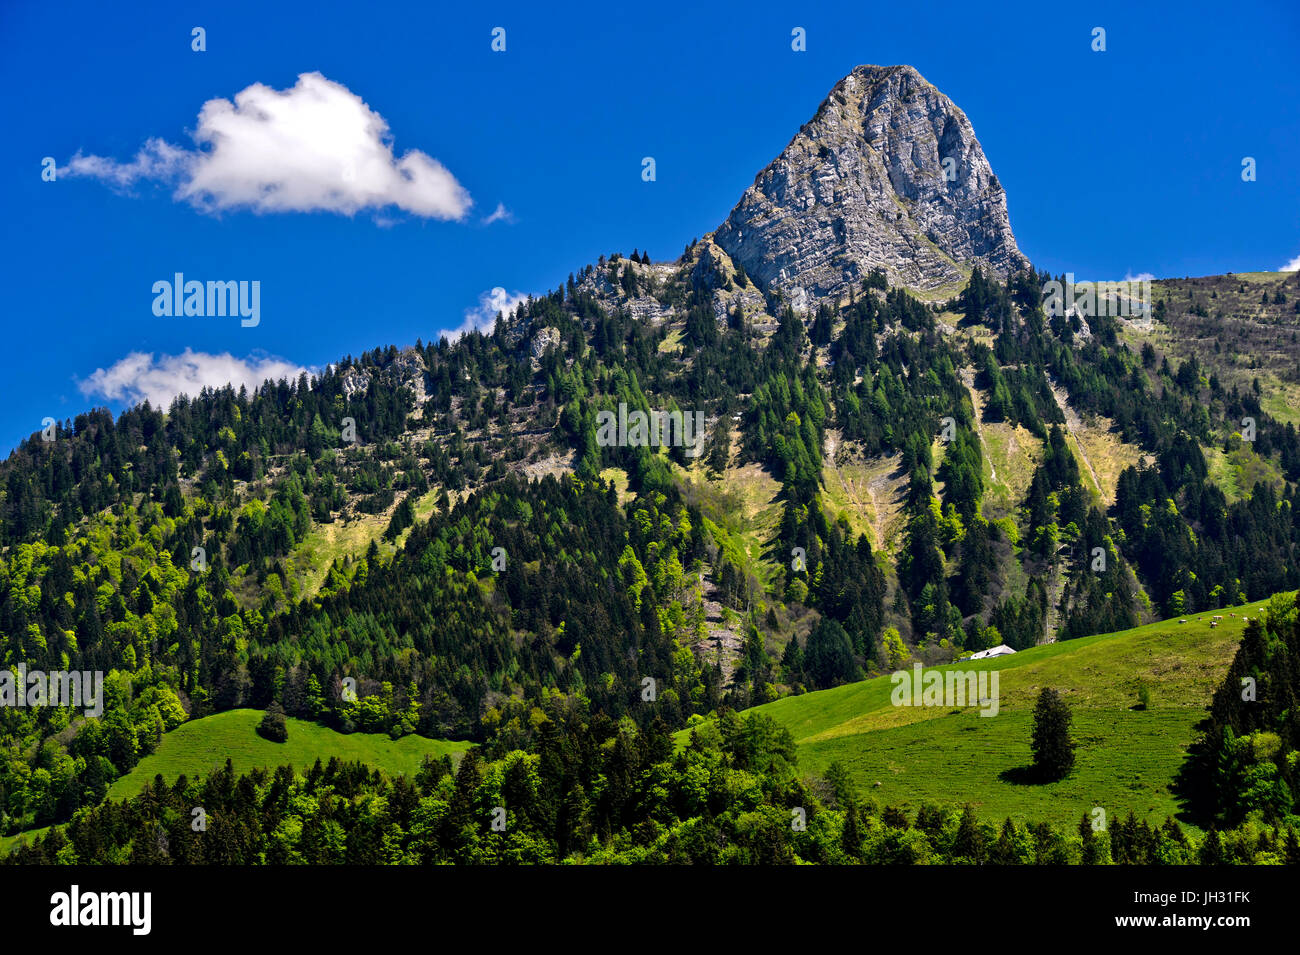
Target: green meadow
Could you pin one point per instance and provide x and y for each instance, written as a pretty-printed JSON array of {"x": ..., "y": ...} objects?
[
  {"x": 1127, "y": 757},
  {"x": 200, "y": 746}
]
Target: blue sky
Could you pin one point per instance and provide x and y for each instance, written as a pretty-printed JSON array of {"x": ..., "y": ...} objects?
[{"x": 1122, "y": 162}]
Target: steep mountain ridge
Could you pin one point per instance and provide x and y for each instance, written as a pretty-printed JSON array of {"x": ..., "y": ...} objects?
[{"x": 888, "y": 174}]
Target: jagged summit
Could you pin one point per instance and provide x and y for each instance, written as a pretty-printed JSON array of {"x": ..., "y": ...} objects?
[{"x": 887, "y": 174}]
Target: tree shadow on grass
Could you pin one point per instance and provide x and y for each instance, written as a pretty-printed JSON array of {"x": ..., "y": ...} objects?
[
  {"x": 1020, "y": 776},
  {"x": 1191, "y": 786},
  {"x": 1024, "y": 776}
]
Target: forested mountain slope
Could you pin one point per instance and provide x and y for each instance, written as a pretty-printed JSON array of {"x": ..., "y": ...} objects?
[{"x": 880, "y": 472}]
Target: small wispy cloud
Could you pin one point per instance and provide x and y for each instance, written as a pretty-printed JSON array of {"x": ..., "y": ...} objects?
[
  {"x": 156, "y": 160},
  {"x": 1292, "y": 266},
  {"x": 316, "y": 147},
  {"x": 140, "y": 376},
  {"x": 499, "y": 214},
  {"x": 1140, "y": 277},
  {"x": 482, "y": 317}
]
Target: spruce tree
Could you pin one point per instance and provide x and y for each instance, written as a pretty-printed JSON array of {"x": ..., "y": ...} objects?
[
  {"x": 851, "y": 838},
  {"x": 1052, "y": 747},
  {"x": 828, "y": 657},
  {"x": 1292, "y": 847},
  {"x": 969, "y": 841},
  {"x": 273, "y": 726},
  {"x": 1088, "y": 839},
  {"x": 1212, "y": 849}
]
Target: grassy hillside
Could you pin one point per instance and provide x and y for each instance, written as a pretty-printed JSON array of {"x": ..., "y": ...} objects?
[
  {"x": 199, "y": 746},
  {"x": 1127, "y": 758},
  {"x": 195, "y": 748}
]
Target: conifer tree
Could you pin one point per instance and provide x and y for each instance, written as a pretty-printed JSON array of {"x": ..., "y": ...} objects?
[{"x": 1052, "y": 747}]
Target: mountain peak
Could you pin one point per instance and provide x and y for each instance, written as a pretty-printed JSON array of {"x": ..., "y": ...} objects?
[{"x": 887, "y": 174}]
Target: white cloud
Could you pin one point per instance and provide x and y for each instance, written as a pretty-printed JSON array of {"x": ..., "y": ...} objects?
[
  {"x": 484, "y": 316},
  {"x": 155, "y": 160},
  {"x": 314, "y": 147},
  {"x": 1140, "y": 277},
  {"x": 139, "y": 377},
  {"x": 1292, "y": 266},
  {"x": 499, "y": 214}
]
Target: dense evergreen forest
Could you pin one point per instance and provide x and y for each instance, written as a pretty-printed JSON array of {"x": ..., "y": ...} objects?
[{"x": 161, "y": 548}]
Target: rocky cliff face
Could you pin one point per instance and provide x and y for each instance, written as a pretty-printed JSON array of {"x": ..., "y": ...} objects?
[
  {"x": 406, "y": 368},
  {"x": 888, "y": 175}
]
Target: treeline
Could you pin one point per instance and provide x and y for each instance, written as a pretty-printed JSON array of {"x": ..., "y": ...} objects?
[
  {"x": 50, "y": 782},
  {"x": 1247, "y": 765},
  {"x": 597, "y": 791}
]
